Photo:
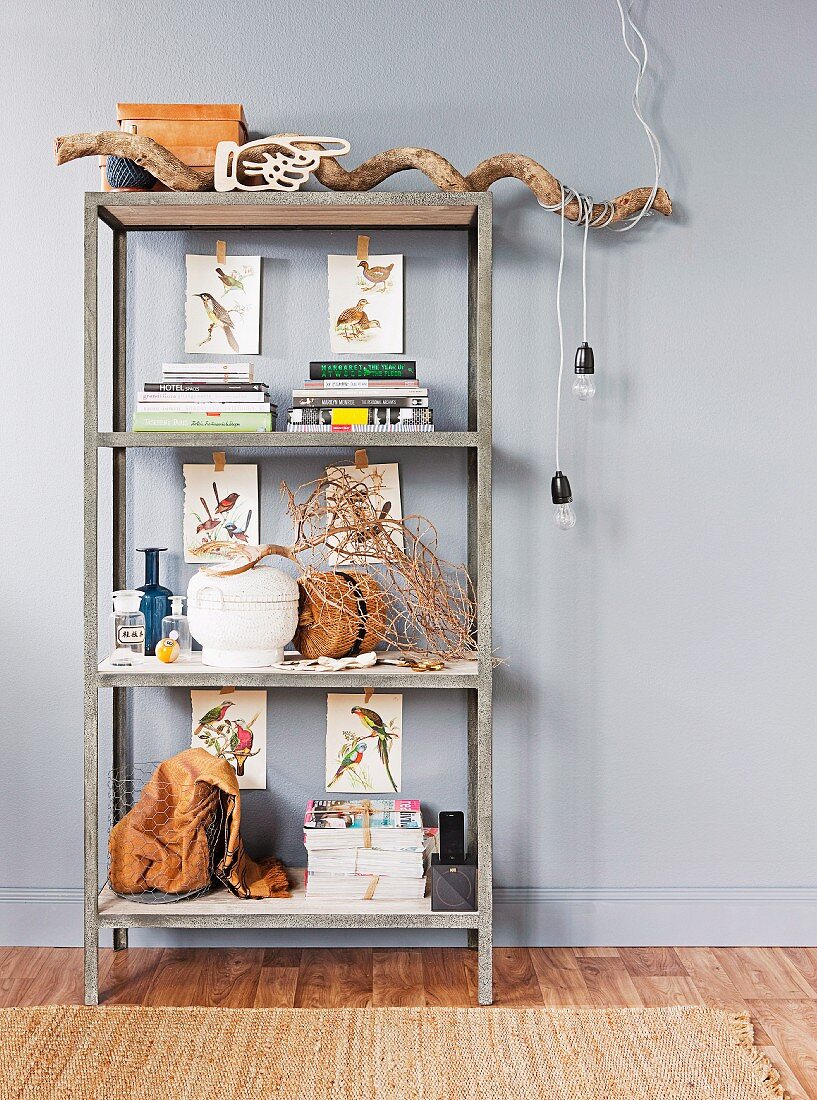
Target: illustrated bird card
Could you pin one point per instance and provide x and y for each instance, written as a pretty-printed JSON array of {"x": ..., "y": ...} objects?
[
  {"x": 364, "y": 742},
  {"x": 233, "y": 727},
  {"x": 366, "y": 304},
  {"x": 219, "y": 507},
  {"x": 223, "y": 305},
  {"x": 381, "y": 481}
]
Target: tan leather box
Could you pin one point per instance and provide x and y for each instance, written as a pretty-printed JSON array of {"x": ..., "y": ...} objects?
[{"x": 191, "y": 131}]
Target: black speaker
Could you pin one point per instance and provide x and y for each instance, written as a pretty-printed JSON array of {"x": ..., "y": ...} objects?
[{"x": 453, "y": 886}]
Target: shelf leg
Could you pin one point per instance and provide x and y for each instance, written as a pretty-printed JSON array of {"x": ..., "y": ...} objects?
[
  {"x": 91, "y": 965},
  {"x": 485, "y": 973},
  {"x": 119, "y": 805},
  {"x": 90, "y": 596}
]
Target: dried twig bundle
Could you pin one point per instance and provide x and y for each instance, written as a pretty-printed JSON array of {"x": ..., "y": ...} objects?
[
  {"x": 366, "y": 577},
  {"x": 340, "y": 521}
]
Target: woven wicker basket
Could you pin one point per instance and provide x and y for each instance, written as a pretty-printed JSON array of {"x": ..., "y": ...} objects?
[{"x": 341, "y": 614}]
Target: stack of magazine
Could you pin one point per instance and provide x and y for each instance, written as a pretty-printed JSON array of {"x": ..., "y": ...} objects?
[
  {"x": 205, "y": 397},
  {"x": 360, "y": 849},
  {"x": 368, "y": 396}
]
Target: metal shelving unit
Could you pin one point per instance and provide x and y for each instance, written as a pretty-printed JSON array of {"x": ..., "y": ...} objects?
[{"x": 125, "y": 213}]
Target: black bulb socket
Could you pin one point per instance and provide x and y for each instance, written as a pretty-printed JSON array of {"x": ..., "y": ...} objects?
[
  {"x": 560, "y": 489},
  {"x": 584, "y": 360}
]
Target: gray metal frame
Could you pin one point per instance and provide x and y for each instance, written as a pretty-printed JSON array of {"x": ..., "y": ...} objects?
[{"x": 477, "y": 442}]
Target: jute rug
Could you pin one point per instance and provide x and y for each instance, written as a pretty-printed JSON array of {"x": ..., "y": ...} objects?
[{"x": 57, "y": 1052}]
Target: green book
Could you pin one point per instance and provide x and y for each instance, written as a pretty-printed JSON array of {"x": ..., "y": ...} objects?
[
  {"x": 202, "y": 422},
  {"x": 370, "y": 368}
]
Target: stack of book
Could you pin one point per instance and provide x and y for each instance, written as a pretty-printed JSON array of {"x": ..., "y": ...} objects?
[
  {"x": 205, "y": 397},
  {"x": 370, "y": 396},
  {"x": 363, "y": 849}
]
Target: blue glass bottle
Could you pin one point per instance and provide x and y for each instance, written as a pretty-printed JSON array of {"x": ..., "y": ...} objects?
[{"x": 155, "y": 602}]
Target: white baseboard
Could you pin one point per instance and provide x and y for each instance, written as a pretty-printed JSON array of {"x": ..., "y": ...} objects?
[
  {"x": 523, "y": 916},
  {"x": 643, "y": 916}
]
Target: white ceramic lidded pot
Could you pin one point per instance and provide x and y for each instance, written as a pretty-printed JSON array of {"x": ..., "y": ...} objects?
[{"x": 243, "y": 621}]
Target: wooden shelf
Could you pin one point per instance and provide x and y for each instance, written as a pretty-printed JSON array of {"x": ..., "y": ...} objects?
[
  {"x": 153, "y": 673},
  {"x": 326, "y": 440},
  {"x": 221, "y": 909},
  {"x": 270, "y": 210}
]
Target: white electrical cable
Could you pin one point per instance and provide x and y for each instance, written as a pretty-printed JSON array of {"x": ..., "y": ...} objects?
[
  {"x": 585, "y": 217},
  {"x": 588, "y": 212},
  {"x": 562, "y": 219},
  {"x": 585, "y": 203},
  {"x": 655, "y": 144}
]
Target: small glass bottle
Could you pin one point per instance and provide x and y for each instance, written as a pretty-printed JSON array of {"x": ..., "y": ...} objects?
[
  {"x": 176, "y": 626},
  {"x": 154, "y": 605},
  {"x": 127, "y": 629}
]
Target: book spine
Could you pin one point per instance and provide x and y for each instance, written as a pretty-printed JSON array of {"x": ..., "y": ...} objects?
[
  {"x": 210, "y": 397},
  {"x": 205, "y": 387},
  {"x": 241, "y": 376},
  {"x": 374, "y": 402},
  {"x": 203, "y": 408},
  {"x": 372, "y": 384},
  {"x": 406, "y": 426},
  {"x": 366, "y": 369},
  {"x": 379, "y": 416},
  {"x": 201, "y": 422},
  {"x": 371, "y": 394},
  {"x": 207, "y": 368}
]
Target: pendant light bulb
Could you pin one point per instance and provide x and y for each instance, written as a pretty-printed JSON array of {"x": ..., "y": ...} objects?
[
  {"x": 584, "y": 387},
  {"x": 563, "y": 515}
]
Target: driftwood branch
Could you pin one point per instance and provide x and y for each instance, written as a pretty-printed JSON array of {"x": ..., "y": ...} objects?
[
  {"x": 252, "y": 555},
  {"x": 146, "y": 152},
  {"x": 170, "y": 171}
]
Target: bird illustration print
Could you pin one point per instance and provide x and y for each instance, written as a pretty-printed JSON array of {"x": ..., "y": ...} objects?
[
  {"x": 350, "y": 760},
  {"x": 236, "y": 532},
  {"x": 383, "y": 734},
  {"x": 353, "y": 323},
  {"x": 233, "y": 281},
  {"x": 241, "y": 743},
  {"x": 219, "y": 317},
  {"x": 215, "y": 714},
  {"x": 209, "y": 523},
  {"x": 375, "y": 278},
  {"x": 224, "y": 504}
]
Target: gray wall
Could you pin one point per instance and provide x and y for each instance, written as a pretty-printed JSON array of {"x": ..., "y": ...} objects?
[{"x": 655, "y": 746}]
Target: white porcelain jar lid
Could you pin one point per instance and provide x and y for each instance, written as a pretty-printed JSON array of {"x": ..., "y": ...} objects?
[{"x": 262, "y": 586}]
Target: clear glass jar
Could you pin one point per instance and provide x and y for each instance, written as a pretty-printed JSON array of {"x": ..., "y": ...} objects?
[
  {"x": 127, "y": 629},
  {"x": 176, "y": 627}
]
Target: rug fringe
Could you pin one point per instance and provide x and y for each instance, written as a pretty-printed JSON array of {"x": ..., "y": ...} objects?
[{"x": 745, "y": 1034}]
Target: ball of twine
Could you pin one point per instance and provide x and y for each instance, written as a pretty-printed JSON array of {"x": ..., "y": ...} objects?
[
  {"x": 341, "y": 614},
  {"x": 121, "y": 172}
]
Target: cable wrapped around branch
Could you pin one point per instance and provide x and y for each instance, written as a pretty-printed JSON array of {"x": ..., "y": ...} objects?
[{"x": 170, "y": 171}]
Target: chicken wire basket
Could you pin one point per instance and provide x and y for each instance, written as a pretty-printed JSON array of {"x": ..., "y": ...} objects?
[{"x": 133, "y": 862}]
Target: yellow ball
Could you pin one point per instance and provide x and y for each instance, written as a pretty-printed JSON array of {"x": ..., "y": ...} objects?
[{"x": 167, "y": 650}]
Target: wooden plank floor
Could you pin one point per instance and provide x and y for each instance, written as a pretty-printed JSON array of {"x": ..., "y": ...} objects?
[{"x": 776, "y": 986}]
